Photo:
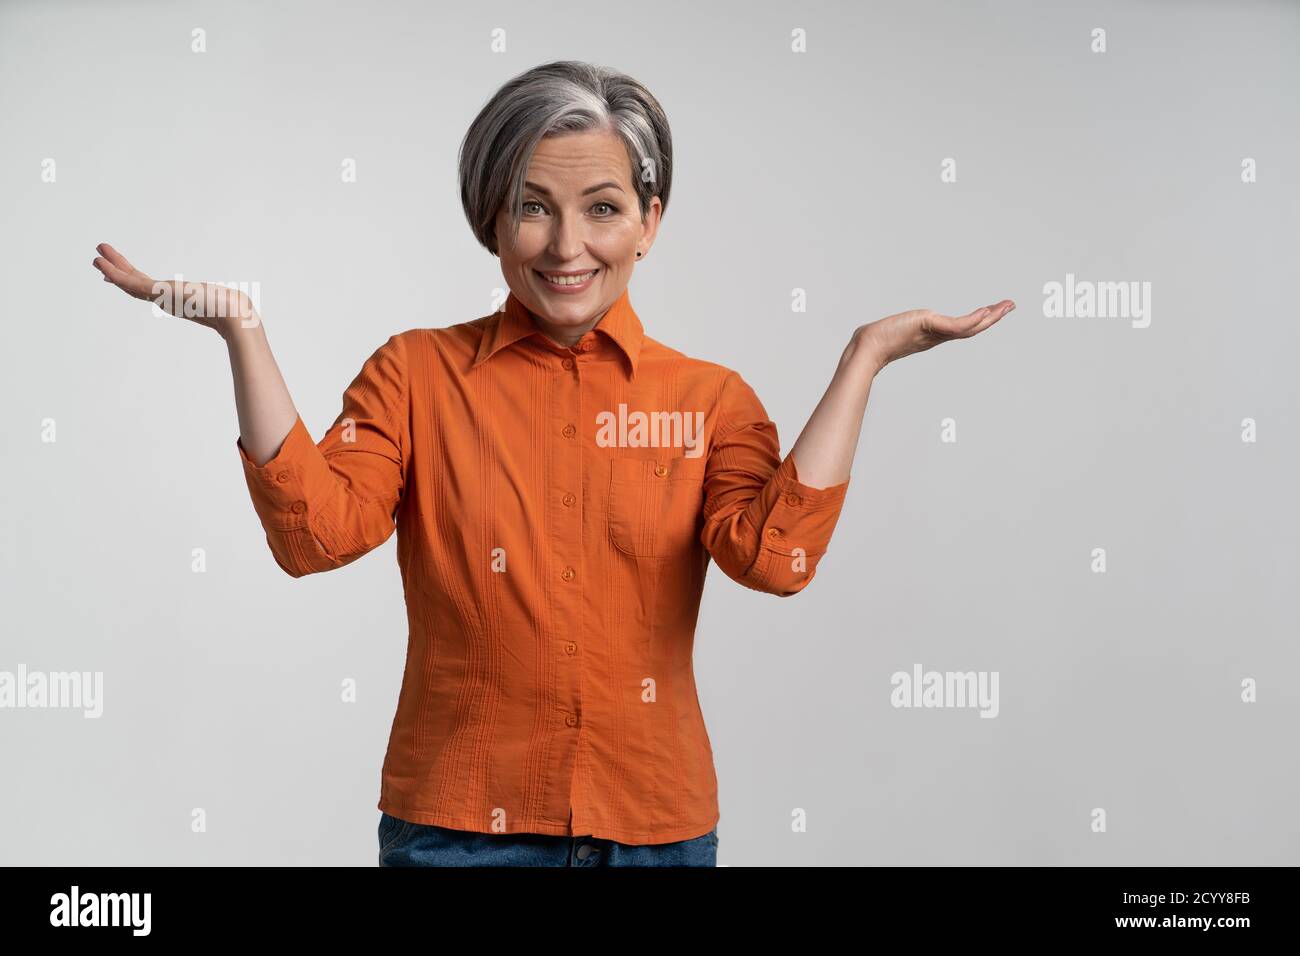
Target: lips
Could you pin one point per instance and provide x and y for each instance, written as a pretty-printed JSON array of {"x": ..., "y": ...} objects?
[{"x": 568, "y": 279}]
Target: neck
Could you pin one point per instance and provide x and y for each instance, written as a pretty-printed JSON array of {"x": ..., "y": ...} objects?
[{"x": 567, "y": 335}]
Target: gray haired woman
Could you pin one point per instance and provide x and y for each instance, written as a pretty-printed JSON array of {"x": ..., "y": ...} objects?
[{"x": 559, "y": 482}]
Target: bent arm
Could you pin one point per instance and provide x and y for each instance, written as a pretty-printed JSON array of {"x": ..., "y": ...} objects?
[
  {"x": 766, "y": 525},
  {"x": 322, "y": 504},
  {"x": 767, "y": 522},
  {"x": 265, "y": 409},
  {"x": 828, "y": 442}
]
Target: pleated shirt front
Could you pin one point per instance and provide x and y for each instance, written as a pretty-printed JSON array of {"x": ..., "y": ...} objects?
[{"x": 556, "y": 511}]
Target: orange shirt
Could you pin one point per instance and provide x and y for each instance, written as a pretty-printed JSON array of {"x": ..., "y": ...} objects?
[{"x": 556, "y": 510}]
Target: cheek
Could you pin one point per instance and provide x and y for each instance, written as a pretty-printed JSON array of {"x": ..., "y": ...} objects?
[
  {"x": 521, "y": 238},
  {"x": 614, "y": 245},
  {"x": 617, "y": 248},
  {"x": 532, "y": 242}
]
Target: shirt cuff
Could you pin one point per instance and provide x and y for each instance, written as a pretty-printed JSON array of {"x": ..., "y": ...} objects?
[
  {"x": 286, "y": 489},
  {"x": 800, "y": 497},
  {"x": 802, "y": 518}
]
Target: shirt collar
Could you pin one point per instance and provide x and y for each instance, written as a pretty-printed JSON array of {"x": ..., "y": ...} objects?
[{"x": 513, "y": 323}]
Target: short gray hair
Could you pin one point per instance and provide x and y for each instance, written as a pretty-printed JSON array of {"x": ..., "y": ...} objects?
[{"x": 566, "y": 96}]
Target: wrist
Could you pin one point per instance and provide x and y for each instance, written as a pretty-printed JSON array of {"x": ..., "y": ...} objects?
[
  {"x": 243, "y": 333},
  {"x": 861, "y": 355}
]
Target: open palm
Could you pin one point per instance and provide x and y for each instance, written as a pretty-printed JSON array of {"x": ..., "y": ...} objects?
[
  {"x": 210, "y": 304},
  {"x": 916, "y": 330}
]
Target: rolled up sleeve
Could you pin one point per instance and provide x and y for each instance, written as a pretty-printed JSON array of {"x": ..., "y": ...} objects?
[
  {"x": 324, "y": 504},
  {"x": 763, "y": 527}
]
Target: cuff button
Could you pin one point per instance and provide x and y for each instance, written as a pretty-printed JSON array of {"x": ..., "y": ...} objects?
[
  {"x": 298, "y": 507},
  {"x": 282, "y": 477}
]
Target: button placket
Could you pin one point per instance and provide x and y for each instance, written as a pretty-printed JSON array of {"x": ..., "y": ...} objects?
[{"x": 565, "y": 522}]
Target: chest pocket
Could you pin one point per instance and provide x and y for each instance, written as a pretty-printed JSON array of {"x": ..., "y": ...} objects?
[{"x": 655, "y": 507}]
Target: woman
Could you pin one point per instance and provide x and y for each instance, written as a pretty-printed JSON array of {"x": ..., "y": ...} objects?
[{"x": 559, "y": 481}]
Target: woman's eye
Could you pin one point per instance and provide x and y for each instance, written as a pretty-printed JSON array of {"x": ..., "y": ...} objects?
[{"x": 613, "y": 210}]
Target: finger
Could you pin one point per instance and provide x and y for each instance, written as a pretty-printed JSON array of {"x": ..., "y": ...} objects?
[
  {"x": 111, "y": 272},
  {"x": 991, "y": 314},
  {"x": 115, "y": 257},
  {"x": 133, "y": 283},
  {"x": 964, "y": 326},
  {"x": 953, "y": 326}
]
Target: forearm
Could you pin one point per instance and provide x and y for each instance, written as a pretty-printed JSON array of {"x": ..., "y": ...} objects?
[
  {"x": 824, "y": 452},
  {"x": 266, "y": 411}
]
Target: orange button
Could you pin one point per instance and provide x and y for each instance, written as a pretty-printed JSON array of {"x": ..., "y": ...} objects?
[
  {"x": 792, "y": 499},
  {"x": 567, "y": 363},
  {"x": 569, "y": 431},
  {"x": 661, "y": 470},
  {"x": 774, "y": 532},
  {"x": 571, "y": 648},
  {"x": 568, "y": 574},
  {"x": 298, "y": 507},
  {"x": 587, "y": 345},
  {"x": 571, "y": 720},
  {"x": 282, "y": 477},
  {"x": 569, "y": 499}
]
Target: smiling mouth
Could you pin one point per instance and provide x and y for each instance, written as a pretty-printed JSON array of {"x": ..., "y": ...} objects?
[{"x": 562, "y": 279}]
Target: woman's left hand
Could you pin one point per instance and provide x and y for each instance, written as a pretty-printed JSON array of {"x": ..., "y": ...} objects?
[{"x": 891, "y": 338}]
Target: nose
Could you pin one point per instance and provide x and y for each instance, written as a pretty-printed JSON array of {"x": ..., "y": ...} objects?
[{"x": 568, "y": 238}]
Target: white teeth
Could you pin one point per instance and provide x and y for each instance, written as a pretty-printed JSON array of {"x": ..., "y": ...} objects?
[{"x": 570, "y": 280}]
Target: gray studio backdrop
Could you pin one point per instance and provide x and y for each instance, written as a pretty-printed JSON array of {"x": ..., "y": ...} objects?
[{"x": 1112, "y": 532}]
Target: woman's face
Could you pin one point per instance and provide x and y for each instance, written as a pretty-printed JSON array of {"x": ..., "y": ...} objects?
[{"x": 579, "y": 215}]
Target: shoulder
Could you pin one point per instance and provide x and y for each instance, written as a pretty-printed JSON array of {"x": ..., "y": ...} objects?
[
  {"x": 714, "y": 386},
  {"x": 473, "y": 330},
  {"x": 660, "y": 358},
  {"x": 463, "y": 337},
  {"x": 720, "y": 386}
]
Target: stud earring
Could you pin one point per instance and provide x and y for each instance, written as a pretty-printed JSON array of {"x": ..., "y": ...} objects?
[{"x": 638, "y": 255}]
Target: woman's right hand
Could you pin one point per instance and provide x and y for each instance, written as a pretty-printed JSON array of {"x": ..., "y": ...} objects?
[{"x": 210, "y": 304}]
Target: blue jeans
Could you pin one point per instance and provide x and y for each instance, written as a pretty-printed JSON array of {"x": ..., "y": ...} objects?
[{"x": 402, "y": 843}]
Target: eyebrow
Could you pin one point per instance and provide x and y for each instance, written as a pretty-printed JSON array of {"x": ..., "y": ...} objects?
[{"x": 608, "y": 184}]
